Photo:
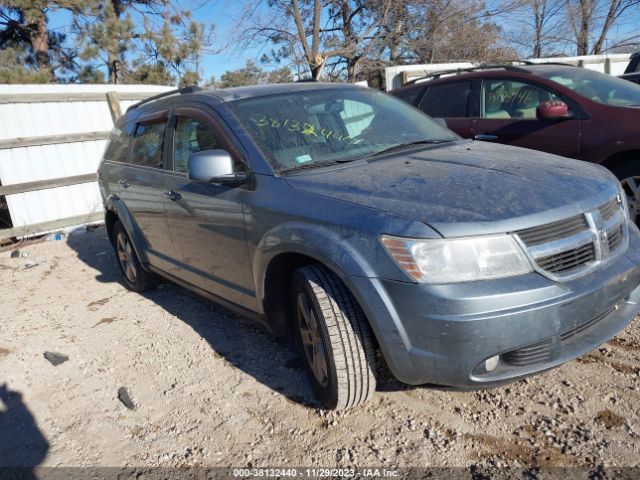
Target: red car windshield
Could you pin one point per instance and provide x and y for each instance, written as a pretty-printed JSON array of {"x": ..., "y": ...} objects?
[{"x": 596, "y": 86}]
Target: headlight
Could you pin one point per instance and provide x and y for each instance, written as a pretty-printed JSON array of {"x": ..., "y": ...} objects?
[{"x": 458, "y": 259}]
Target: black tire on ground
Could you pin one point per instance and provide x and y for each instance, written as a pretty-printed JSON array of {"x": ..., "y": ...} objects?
[
  {"x": 330, "y": 326},
  {"x": 629, "y": 175},
  {"x": 135, "y": 277}
]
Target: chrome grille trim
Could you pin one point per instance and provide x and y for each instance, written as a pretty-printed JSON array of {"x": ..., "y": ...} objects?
[
  {"x": 578, "y": 245},
  {"x": 563, "y": 228},
  {"x": 562, "y": 245}
]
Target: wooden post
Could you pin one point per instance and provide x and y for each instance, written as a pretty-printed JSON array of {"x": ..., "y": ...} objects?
[{"x": 114, "y": 106}]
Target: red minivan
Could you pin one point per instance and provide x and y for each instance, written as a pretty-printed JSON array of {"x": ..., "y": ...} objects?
[{"x": 555, "y": 108}]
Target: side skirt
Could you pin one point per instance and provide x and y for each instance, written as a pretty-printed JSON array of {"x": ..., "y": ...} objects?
[{"x": 234, "y": 307}]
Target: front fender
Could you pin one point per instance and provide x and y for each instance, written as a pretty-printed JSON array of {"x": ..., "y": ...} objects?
[{"x": 335, "y": 251}]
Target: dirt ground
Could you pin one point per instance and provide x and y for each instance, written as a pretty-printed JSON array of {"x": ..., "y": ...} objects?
[{"x": 213, "y": 389}]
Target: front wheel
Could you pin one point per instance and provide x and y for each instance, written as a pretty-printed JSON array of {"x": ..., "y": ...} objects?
[
  {"x": 629, "y": 176},
  {"x": 334, "y": 338}
]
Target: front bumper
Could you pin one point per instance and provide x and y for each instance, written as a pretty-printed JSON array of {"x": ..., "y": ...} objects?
[{"x": 443, "y": 334}]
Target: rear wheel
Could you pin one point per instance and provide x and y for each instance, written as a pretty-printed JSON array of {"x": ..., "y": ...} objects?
[
  {"x": 629, "y": 176},
  {"x": 135, "y": 277},
  {"x": 334, "y": 338}
]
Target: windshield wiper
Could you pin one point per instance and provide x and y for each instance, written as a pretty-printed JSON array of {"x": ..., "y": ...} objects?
[
  {"x": 307, "y": 166},
  {"x": 401, "y": 146}
]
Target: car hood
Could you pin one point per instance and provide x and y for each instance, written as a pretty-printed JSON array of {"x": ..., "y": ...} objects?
[{"x": 467, "y": 188}]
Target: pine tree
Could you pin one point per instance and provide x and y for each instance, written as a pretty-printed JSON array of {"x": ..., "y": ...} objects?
[{"x": 30, "y": 51}]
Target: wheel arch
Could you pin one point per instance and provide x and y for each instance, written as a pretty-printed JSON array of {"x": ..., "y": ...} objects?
[
  {"x": 618, "y": 159},
  {"x": 296, "y": 246},
  {"x": 115, "y": 210}
]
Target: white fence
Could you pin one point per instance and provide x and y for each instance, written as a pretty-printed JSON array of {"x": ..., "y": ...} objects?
[
  {"x": 51, "y": 141},
  {"x": 613, "y": 64}
]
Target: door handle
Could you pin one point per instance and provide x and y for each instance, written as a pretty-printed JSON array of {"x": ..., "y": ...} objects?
[
  {"x": 486, "y": 136},
  {"x": 123, "y": 183},
  {"x": 171, "y": 195}
]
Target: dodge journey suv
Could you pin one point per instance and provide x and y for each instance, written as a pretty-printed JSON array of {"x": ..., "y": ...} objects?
[{"x": 352, "y": 223}]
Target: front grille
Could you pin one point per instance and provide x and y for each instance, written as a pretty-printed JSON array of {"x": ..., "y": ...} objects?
[
  {"x": 533, "y": 354},
  {"x": 577, "y": 245},
  {"x": 570, "y": 260},
  {"x": 553, "y": 231},
  {"x": 545, "y": 350},
  {"x": 581, "y": 328},
  {"x": 609, "y": 209},
  {"x": 615, "y": 237}
]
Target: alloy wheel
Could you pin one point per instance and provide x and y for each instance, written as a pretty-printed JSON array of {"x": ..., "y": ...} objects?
[
  {"x": 631, "y": 187},
  {"x": 312, "y": 340},
  {"x": 126, "y": 257}
]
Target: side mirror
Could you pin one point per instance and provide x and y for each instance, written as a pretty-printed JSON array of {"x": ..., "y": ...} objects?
[
  {"x": 214, "y": 166},
  {"x": 552, "y": 111}
]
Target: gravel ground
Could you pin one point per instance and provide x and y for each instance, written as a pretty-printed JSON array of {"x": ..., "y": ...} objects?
[{"x": 213, "y": 389}]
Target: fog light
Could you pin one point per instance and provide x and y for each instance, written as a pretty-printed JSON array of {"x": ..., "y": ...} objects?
[{"x": 490, "y": 364}]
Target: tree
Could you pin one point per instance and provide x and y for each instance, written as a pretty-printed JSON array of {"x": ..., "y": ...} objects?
[
  {"x": 165, "y": 48},
  {"x": 446, "y": 30},
  {"x": 26, "y": 39},
  {"x": 105, "y": 32},
  {"x": 173, "y": 51},
  {"x": 594, "y": 19},
  {"x": 543, "y": 27},
  {"x": 252, "y": 74},
  {"x": 317, "y": 34}
]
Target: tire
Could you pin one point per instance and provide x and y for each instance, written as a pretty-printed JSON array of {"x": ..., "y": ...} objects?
[
  {"x": 330, "y": 325},
  {"x": 135, "y": 277},
  {"x": 629, "y": 176}
]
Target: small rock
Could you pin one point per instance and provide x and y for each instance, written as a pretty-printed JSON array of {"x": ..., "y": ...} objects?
[
  {"x": 31, "y": 264},
  {"x": 125, "y": 398},
  {"x": 55, "y": 358}
]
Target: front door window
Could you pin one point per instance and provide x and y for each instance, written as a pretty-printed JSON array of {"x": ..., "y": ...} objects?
[{"x": 513, "y": 99}]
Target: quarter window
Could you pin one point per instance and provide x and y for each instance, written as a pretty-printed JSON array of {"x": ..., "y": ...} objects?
[
  {"x": 512, "y": 99},
  {"x": 147, "y": 144},
  {"x": 118, "y": 147},
  {"x": 447, "y": 100},
  {"x": 191, "y": 135},
  {"x": 409, "y": 95}
]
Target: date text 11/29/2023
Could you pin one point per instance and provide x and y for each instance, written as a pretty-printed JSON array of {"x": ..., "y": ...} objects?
[{"x": 315, "y": 473}]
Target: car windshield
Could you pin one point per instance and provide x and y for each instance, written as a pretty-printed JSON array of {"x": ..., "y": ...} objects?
[
  {"x": 596, "y": 86},
  {"x": 308, "y": 128}
]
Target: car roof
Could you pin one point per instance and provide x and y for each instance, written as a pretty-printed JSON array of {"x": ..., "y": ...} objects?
[
  {"x": 177, "y": 97},
  {"x": 493, "y": 70},
  {"x": 237, "y": 93}
]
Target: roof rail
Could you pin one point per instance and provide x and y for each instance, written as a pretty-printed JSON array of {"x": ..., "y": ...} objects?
[
  {"x": 177, "y": 91},
  {"x": 529, "y": 62},
  {"x": 457, "y": 71}
]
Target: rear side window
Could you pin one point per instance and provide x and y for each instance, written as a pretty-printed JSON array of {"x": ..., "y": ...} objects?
[
  {"x": 147, "y": 144},
  {"x": 447, "y": 100},
  {"x": 118, "y": 147},
  {"x": 409, "y": 95}
]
